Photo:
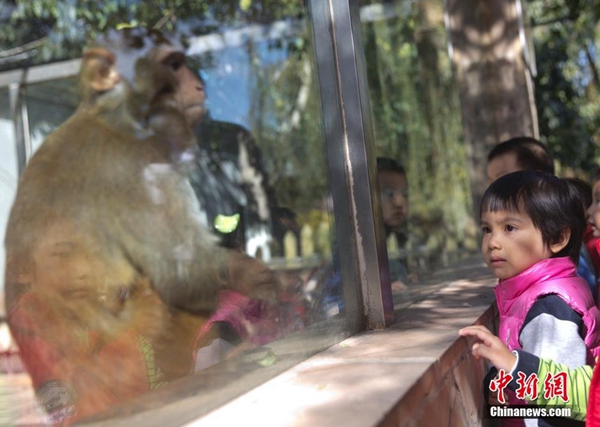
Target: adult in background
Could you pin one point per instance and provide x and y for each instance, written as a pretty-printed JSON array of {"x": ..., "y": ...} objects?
[
  {"x": 518, "y": 154},
  {"x": 231, "y": 183}
]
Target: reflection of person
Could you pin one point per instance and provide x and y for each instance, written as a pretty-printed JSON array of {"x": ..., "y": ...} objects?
[
  {"x": 532, "y": 223},
  {"x": 231, "y": 183},
  {"x": 239, "y": 319},
  {"x": 393, "y": 188},
  {"x": 284, "y": 221},
  {"x": 68, "y": 341},
  {"x": 236, "y": 202}
]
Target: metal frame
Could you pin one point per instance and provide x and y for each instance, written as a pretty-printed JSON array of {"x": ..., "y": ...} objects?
[
  {"x": 16, "y": 81},
  {"x": 351, "y": 157},
  {"x": 20, "y": 118}
]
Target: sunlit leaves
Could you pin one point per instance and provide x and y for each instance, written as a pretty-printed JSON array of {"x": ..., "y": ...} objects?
[
  {"x": 245, "y": 4},
  {"x": 416, "y": 116},
  {"x": 566, "y": 40},
  {"x": 69, "y": 24}
]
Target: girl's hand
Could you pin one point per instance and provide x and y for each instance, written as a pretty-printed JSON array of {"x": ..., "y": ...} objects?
[{"x": 490, "y": 347}]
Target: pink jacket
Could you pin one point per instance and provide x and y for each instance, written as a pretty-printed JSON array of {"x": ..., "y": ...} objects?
[
  {"x": 516, "y": 296},
  {"x": 254, "y": 321}
]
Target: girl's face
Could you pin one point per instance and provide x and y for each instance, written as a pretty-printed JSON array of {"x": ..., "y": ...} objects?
[
  {"x": 593, "y": 212},
  {"x": 511, "y": 243}
]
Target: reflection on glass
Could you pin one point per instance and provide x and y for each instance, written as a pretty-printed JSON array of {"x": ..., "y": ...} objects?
[
  {"x": 393, "y": 187},
  {"x": 49, "y": 104},
  {"x": 416, "y": 115},
  {"x": 147, "y": 244},
  {"x": 17, "y": 396},
  {"x": 8, "y": 168}
]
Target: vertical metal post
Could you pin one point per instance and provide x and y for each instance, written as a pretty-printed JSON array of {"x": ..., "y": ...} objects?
[
  {"x": 351, "y": 155},
  {"x": 20, "y": 118},
  {"x": 25, "y": 126}
]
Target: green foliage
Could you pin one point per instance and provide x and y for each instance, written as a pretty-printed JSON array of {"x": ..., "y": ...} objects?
[
  {"x": 63, "y": 28},
  {"x": 566, "y": 88},
  {"x": 286, "y": 120},
  {"x": 416, "y": 116}
]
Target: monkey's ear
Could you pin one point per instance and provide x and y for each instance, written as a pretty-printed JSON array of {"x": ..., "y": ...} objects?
[{"x": 98, "y": 70}]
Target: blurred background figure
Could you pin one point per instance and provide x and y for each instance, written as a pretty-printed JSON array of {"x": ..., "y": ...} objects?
[
  {"x": 393, "y": 187},
  {"x": 231, "y": 183},
  {"x": 585, "y": 267}
]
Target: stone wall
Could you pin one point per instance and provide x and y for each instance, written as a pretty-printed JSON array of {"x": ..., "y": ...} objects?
[{"x": 450, "y": 392}]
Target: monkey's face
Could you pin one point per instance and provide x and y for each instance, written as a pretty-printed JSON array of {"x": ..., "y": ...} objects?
[
  {"x": 189, "y": 92},
  {"x": 156, "y": 69}
]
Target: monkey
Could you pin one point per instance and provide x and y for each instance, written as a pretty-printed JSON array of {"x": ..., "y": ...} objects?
[
  {"x": 106, "y": 251},
  {"x": 107, "y": 142}
]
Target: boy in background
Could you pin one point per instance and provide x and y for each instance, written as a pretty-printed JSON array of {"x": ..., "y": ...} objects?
[{"x": 393, "y": 187}]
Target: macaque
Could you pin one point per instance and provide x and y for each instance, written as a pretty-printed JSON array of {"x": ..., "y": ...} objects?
[{"x": 110, "y": 272}]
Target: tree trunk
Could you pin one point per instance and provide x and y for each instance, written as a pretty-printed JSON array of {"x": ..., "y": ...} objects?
[{"x": 495, "y": 83}]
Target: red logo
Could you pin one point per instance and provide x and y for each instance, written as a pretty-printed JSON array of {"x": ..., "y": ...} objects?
[
  {"x": 499, "y": 384},
  {"x": 556, "y": 386},
  {"x": 528, "y": 386}
]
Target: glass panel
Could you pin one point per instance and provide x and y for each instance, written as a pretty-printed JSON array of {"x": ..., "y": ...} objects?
[
  {"x": 216, "y": 259},
  {"x": 48, "y": 105},
  {"x": 15, "y": 387},
  {"x": 8, "y": 167},
  {"x": 423, "y": 179}
]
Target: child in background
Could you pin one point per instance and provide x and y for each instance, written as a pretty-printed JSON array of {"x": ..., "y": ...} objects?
[
  {"x": 82, "y": 359},
  {"x": 585, "y": 267},
  {"x": 393, "y": 186},
  {"x": 592, "y": 237},
  {"x": 532, "y": 224}
]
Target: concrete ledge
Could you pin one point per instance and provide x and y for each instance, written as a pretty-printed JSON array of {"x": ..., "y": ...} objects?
[{"x": 418, "y": 372}]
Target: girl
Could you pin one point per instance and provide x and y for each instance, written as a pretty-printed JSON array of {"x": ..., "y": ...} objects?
[
  {"x": 532, "y": 223},
  {"x": 592, "y": 236}
]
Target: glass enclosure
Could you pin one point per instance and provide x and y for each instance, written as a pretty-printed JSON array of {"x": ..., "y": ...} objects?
[
  {"x": 8, "y": 169},
  {"x": 177, "y": 284},
  {"x": 260, "y": 179}
]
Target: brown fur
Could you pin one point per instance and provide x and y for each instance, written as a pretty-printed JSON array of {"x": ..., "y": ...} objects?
[{"x": 105, "y": 229}]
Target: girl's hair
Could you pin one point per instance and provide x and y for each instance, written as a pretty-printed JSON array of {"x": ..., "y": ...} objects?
[
  {"x": 552, "y": 203},
  {"x": 583, "y": 189}
]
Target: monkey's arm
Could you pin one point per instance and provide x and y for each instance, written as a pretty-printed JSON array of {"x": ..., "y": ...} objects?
[{"x": 170, "y": 244}]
